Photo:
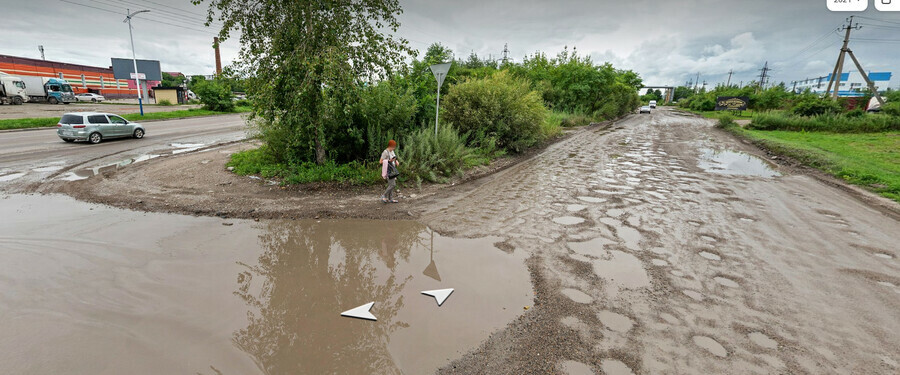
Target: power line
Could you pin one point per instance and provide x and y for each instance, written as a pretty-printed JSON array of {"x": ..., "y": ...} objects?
[
  {"x": 172, "y": 15},
  {"x": 121, "y": 13}
]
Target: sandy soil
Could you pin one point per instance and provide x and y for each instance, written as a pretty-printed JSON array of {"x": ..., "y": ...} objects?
[{"x": 641, "y": 260}]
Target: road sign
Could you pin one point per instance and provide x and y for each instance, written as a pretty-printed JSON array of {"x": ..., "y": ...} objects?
[
  {"x": 440, "y": 72},
  {"x": 139, "y": 76}
]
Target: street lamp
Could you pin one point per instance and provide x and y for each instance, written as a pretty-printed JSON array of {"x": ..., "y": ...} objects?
[{"x": 137, "y": 78}]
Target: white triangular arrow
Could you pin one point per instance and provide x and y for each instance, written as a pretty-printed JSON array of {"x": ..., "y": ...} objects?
[
  {"x": 361, "y": 312},
  {"x": 440, "y": 295}
]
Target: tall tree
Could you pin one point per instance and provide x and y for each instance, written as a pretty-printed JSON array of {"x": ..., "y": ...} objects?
[{"x": 305, "y": 61}]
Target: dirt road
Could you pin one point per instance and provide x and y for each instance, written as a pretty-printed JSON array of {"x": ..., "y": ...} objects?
[
  {"x": 659, "y": 245},
  {"x": 30, "y": 157},
  {"x": 655, "y": 250}
]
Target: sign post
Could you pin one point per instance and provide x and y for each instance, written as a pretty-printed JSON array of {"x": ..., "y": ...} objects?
[
  {"x": 732, "y": 103},
  {"x": 440, "y": 72}
]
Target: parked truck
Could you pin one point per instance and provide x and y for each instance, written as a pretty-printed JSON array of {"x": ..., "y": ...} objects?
[
  {"x": 12, "y": 90},
  {"x": 50, "y": 90}
]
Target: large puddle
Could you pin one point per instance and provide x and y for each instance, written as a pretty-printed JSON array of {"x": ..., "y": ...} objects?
[
  {"x": 98, "y": 290},
  {"x": 734, "y": 163}
]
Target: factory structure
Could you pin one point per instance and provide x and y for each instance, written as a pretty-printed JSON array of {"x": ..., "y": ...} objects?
[
  {"x": 82, "y": 78},
  {"x": 852, "y": 83}
]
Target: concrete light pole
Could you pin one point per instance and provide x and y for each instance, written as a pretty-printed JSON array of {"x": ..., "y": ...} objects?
[{"x": 137, "y": 78}]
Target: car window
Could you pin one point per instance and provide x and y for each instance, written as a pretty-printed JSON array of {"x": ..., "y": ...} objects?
[
  {"x": 117, "y": 120},
  {"x": 98, "y": 119},
  {"x": 72, "y": 119}
]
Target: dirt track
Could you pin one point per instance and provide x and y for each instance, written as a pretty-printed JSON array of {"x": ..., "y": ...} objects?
[
  {"x": 678, "y": 270},
  {"x": 641, "y": 260}
]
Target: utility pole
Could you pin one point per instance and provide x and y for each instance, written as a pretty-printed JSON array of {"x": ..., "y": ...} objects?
[
  {"x": 41, "y": 48},
  {"x": 730, "y": 72},
  {"x": 505, "y": 53},
  {"x": 137, "y": 78},
  {"x": 697, "y": 83},
  {"x": 839, "y": 66},
  {"x": 763, "y": 77}
]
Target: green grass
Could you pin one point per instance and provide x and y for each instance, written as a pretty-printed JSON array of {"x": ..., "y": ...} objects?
[
  {"x": 870, "y": 160},
  {"x": 260, "y": 162},
  {"x": 743, "y": 115},
  {"x": 40, "y": 122},
  {"x": 835, "y": 123}
]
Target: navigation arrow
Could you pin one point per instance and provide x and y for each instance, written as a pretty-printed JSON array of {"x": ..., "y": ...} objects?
[
  {"x": 361, "y": 312},
  {"x": 440, "y": 295}
]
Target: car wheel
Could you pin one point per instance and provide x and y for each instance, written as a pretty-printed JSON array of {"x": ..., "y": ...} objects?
[
  {"x": 138, "y": 133},
  {"x": 95, "y": 138},
  {"x": 52, "y": 100},
  {"x": 68, "y": 140},
  {"x": 17, "y": 101},
  {"x": 94, "y": 100}
]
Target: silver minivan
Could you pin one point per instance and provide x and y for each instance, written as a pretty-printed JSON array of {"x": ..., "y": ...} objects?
[{"x": 94, "y": 127}]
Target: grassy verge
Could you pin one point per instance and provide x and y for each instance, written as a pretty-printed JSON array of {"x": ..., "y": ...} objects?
[
  {"x": 40, "y": 122},
  {"x": 870, "y": 160},
  {"x": 260, "y": 162},
  {"x": 744, "y": 115},
  {"x": 835, "y": 123}
]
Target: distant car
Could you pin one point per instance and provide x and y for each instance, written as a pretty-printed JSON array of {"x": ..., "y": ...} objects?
[
  {"x": 89, "y": 97},
  {"x": 646, "y": 109},
  {"x": 94, "y": 127},
  {"x": 653, "y": 104}
]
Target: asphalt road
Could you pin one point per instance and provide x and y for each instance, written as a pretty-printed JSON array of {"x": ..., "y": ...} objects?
[{"x": 32, "y": 156}]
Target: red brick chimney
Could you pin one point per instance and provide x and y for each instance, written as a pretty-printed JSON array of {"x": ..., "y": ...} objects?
[{"x": 218, "y": 56}]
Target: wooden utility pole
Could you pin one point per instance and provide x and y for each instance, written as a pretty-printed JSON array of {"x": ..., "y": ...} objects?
[{"x": 839, "y": 66}]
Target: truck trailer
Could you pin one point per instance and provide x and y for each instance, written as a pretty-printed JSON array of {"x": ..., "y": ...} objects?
[
  {"x": 12, "y": 90},
  {"x": 50, "y": 90}
]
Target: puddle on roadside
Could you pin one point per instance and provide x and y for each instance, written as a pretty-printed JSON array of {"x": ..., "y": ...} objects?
[
  {"x": 734, "y": 163},
  {"x": 615, "y": 322},
  {"x": 575, "y": 207},
  {"x": 11, "y": 176},
  {"x": 623, "y": 270},
  {"x": 615, "y": 367},
  {"x": 710, "y": 345},
  {"x": 592, "y": 199},
  {"x": 81, "y": 174},
  {"x": 709, "y": 255},
  {"x": 568, "y": 220},
  {"x": 577, "y": 295},
  {"x": 763, "y": 340},
  {"x": 570, "y": 367},
  {"x": 726, "y": 282},
  {"x": 157, "y": 293}
]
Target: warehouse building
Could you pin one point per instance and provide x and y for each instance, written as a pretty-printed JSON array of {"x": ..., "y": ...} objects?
[
  {"x": 82, "y": 78},
  {"x": 852, "y": 83}
]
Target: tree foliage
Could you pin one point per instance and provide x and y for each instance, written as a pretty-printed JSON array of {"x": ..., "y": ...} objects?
[{"x": 305, "y": 61}]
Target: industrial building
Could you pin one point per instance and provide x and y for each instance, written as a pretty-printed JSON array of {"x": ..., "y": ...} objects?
[
  {"x": 82, "y": 78},
  {"x": 852, "y": 83}
]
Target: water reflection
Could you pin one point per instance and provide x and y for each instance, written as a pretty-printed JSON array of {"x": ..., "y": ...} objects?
[{"x": 306, "y": 275}]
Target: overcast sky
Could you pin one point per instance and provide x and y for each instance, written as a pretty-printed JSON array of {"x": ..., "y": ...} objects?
[{"x": 667, "y": 42}]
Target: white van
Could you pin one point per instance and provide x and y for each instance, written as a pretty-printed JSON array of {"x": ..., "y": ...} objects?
[{"x": 653, "y": 104}]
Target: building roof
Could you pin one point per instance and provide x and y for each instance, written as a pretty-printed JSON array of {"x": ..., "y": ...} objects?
[{"x": 52, "y": 64}]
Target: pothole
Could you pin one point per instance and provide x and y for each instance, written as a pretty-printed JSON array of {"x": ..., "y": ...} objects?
[
  {"x": 726, "y": 282},
  {"x": 577, "y": 295},
  {"x": 568, "y": 220},
  {"x": 695, "y": 295},
  {"x": 709, "y": 255},
  {"x": 711, "y": 346},
  {"x": 614, "y": 321},
  {"x": 763, "y": 340},
  {"x": 615, "y": 367}
]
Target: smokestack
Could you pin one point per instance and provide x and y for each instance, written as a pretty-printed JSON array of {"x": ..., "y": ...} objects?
[{"x": 218, "y": 56}]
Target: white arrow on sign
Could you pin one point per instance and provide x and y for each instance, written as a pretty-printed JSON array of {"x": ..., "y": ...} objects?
[
  {"x": 361, "y": 312},
  {"x": 440, "y": 295}
]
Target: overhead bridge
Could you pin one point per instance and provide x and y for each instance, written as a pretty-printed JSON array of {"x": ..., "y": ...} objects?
[{"x": 669, "y": 92}]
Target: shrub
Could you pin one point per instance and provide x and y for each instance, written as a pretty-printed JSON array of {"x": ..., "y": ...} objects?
[
  {"x": 703, "y": 104},
  {"x": 814, "y": 106},
  {"x": 215, "y": 96},
  {"x": 826, "y": 123},
  {"x": 242, "y": 103},
  {"x": 725, "y": 121},
  {"x": 164, "y": 102},
  {"x": 262, "y": 162},
  {"x": 501, "y": 107},
  {"x": 433, "y": 158},
  {"x": 891, "y": 109},
  {"x": 856, "y": 113}
]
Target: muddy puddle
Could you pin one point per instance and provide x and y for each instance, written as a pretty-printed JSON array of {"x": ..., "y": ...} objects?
[
  {"x": 734, "y": 163},
  {"x": 97, "y": 290}
]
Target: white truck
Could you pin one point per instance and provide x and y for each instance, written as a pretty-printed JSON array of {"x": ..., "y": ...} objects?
[
  {"x": 12, "y": 90},
  {"x": 653, "y": 104},
  {"x": 51, "y": 90}
]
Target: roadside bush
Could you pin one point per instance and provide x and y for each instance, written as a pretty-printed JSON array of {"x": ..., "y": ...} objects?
[
  {"x": 856, "y": 113},
  {"x": 704, "y": 103},
  {"x": 164, "y": 102},
  {"x": 215, "y": 96},
  {"x": 500, "y": 107},
  {"x": 725, "y": 121},
  {"x": 552, "y": 126},
  {"x": 262, "y": 162},
  {"x": 433, "y": 158},
  {"x": 891, "y": 109},
  {"x": 242, "y": 103},
  {"x": 814, "y": 106},
  {"x": 825, "y": 123}
]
